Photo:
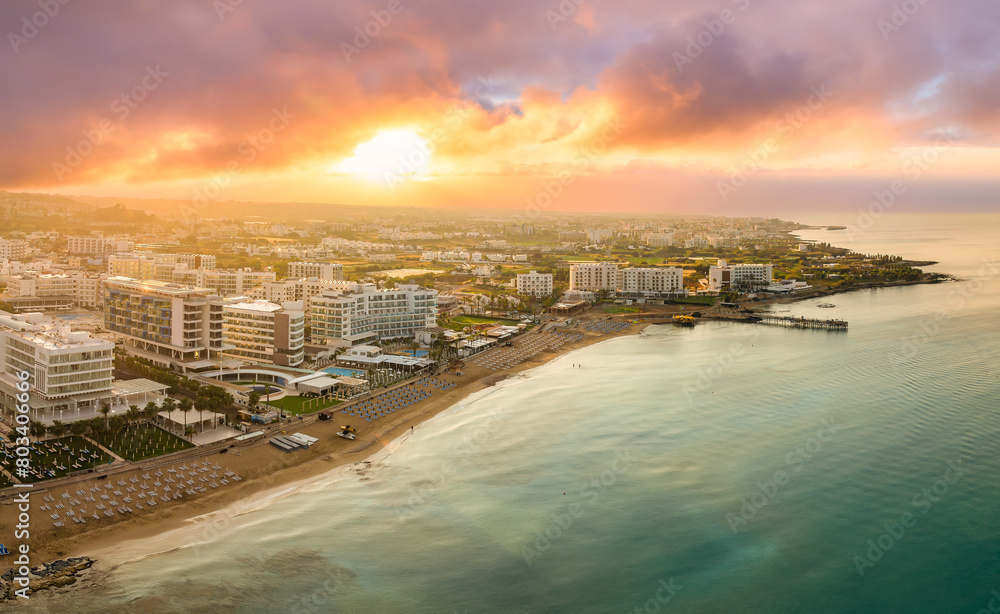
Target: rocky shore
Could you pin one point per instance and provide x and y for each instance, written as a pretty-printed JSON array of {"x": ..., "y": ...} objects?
[{"x": 57, "y": 574}]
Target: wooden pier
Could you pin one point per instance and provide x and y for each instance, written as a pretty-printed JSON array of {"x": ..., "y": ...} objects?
[{"x": 776, "y": 320}]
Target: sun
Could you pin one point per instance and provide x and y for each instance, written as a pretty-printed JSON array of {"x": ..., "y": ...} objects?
[{"x": 392, "y": 156}]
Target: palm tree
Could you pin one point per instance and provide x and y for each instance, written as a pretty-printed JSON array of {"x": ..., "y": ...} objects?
[
  {"x": 97, "y": 426},
  {"x": 132, "y": 414},
  {"x": 189, "y": 431},
  {"x": 150, "y": 410},
  {"x": 185, "y": 406},
  {"x": 200, "y": 404},
  {"x": 116, "y": 424},
  {"x": 57, "y": 428},
  {"x": 105, "y": 410},
  {"x": 36, "y": 429},
  {"x": 78, "y": 428},
  {"x": 168, "y": 405}
]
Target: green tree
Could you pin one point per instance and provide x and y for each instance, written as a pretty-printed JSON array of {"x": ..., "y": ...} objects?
[
  {"x": 36, "y": 429},
  {"x": 57, "y": 428},
  {"x": 105, "y": 410},
  {"x": 78, "y": 428},
  {"x": 150, "y": 410}
]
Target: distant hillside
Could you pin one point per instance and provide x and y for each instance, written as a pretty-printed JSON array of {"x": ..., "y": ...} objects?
[{"x": 285, "y": 211}]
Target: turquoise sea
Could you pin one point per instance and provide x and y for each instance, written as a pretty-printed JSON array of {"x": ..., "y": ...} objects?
[{"x": 724, "y": 468}]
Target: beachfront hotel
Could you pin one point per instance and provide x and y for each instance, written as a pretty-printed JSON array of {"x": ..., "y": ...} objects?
[
  {"x": 723, "y": 277},
  {"x": 629, "y": 282},
  {"x": 363, "y": 313},
  {"x": 538, "y": 285},
  {"x": 264, "y": 332},
  {"x": 166, "y": 323},
  {"x": 330, "y": 271},
  {"x": 69, "y": 371}
]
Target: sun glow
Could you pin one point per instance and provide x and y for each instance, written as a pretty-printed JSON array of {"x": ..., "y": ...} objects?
[{"x": 391, "y": 156}]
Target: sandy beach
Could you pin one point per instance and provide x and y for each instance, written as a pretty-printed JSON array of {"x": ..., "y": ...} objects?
[{"x": 263, "y": 468}]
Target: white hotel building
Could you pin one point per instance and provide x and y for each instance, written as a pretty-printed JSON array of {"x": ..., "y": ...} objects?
[
  {"x": 264, "y": 332},
  {"x": 362, "y": 313},
  {"x": 745, "y": 277},
  {"x": 534, "y": 284},
  {"x": 68, "y": 371}
]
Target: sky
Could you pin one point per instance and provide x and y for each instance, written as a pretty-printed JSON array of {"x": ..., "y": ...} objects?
[{"x": 653, "y": 106}]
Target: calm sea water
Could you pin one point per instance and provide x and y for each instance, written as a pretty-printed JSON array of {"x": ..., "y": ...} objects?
[{"x": 725, "y": 468}]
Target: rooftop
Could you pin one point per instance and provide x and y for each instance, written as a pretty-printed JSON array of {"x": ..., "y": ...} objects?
[{"x": 152, "y": 285}]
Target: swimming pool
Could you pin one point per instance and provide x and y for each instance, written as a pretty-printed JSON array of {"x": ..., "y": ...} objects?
[{"x": 345, "y": 372}]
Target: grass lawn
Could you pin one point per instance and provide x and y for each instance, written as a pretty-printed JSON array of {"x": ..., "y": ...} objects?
[
  {"x": 141, "y": 441},
  {"x": 296, "y": 405},
  {"x": 469, "y": 320},
  {"x": 54, "y": 458},
  {"x": 621, "y": 310}
]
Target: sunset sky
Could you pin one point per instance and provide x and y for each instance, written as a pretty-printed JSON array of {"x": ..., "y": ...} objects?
[{"x": 735, "y": 106}]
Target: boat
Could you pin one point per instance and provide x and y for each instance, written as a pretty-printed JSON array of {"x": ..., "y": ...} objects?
[
  {"x": 347, "y": 432},
  {"x": 836, "y": 227},
  {"x": 826, "y": 305}
]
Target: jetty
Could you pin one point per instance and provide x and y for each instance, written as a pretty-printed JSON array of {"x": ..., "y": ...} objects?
[{"x": 776, "y": 320}]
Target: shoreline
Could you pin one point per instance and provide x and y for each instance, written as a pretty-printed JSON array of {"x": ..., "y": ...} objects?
[{"x": 270, "y": 473}]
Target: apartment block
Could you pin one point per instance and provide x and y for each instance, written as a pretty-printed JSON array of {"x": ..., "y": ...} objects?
[
  {"x": 232, "y": 282},
  {"x": 630, "y": 282},
  {"x": 80, "y": 289},
  {"x": 97, "y": 245},
  {"x": 13, "y": 249},
  {"x": 595, "y": 276}
]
